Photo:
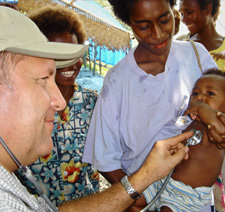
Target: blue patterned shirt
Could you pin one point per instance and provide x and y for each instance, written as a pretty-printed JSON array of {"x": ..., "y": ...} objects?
[{"x": 62, "y": 172}]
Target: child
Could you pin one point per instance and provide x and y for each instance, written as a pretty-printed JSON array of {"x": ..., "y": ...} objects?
[{"x": 200, "y": 171}]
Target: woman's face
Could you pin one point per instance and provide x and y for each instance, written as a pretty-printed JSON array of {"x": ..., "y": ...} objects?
[
  {"x": 193, "y": 17},
  {"x": 66, "y": 76},
  {"x": 152, "y": 22}
]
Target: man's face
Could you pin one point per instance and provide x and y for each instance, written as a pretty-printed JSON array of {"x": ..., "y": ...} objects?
[
  {"x": 211, "y": 90},
  {"x": 27, "y": 108}
]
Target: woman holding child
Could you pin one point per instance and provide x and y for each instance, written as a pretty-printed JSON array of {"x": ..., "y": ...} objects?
[{"x": 145, "y": 94}]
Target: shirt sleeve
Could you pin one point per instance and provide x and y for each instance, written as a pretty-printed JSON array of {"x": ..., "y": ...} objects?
[{"x": 103, "y": 147}]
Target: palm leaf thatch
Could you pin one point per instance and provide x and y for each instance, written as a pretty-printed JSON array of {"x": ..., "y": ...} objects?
[{"x": 102, "y": 33}]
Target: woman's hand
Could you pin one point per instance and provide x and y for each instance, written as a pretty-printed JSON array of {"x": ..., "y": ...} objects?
[{"x": 216, "y": 131}]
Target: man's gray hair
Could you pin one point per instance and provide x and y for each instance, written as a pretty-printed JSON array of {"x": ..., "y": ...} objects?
[{"x": 8, "y": 62}]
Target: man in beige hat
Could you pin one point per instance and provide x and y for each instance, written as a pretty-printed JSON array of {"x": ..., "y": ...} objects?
[{"x": 29, "y": 99}]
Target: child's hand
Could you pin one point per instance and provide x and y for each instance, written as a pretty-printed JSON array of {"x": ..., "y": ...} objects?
[
  {"x": 215, "y": 121},
  {"x": 193, "y": 110}
]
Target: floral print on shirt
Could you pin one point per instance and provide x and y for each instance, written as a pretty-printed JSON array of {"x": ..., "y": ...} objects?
[{"x": 62, "y": 172}]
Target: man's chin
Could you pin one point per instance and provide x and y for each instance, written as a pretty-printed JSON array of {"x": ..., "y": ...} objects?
[{"x": 47, "y": 148}]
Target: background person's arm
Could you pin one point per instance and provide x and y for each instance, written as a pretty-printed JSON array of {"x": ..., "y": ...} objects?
[{"x": 155, "y": 167}]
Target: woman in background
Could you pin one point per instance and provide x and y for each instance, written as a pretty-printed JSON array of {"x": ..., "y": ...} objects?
[
  {"x": 200, "y": 17},
  {"x": 145, "y": 93}
]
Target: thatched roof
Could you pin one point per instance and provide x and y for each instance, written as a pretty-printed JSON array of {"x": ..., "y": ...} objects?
[{"x": 101, "y": 32}]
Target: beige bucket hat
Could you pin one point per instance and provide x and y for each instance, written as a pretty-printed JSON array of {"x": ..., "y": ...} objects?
[{"x": 20, "y": 35}]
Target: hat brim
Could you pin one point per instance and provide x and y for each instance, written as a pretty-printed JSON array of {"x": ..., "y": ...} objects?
[
  {"x": 65, "y": 54},
  {"x": 65, "y": 63}
]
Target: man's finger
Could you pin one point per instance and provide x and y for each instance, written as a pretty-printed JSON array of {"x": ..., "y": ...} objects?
[{"x": 179, "y": 138}]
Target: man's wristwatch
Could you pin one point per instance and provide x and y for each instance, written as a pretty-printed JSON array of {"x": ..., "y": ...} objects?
[{"x": 129, "y": 188}]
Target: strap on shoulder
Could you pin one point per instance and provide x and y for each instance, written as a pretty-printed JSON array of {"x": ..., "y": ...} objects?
[{"x": 197, "y": 55}]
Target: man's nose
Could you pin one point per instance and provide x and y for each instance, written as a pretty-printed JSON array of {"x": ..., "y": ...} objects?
[{"x": 57, "y": 100}]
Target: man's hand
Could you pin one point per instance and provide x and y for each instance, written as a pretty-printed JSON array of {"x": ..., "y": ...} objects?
[{"x": 165, "y": 155}]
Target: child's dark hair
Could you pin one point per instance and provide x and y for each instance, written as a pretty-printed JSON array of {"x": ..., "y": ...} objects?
[
  {"x": 121, "y": 8},
  {"x": 214, "y": 71}
]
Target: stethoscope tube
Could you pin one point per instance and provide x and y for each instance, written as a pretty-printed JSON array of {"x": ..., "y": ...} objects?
[
  {"x": 159, "y": 192},
  {"x": 193, "y": 140},
  {"x": 28, "y": 173}
]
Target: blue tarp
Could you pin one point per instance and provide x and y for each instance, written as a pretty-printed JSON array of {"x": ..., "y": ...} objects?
[
  {"x": 8, "y": 1},
  {"x": 107, "y": 56}
]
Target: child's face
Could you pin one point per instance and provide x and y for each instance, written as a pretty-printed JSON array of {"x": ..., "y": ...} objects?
[{"x": 211, "y": 90}]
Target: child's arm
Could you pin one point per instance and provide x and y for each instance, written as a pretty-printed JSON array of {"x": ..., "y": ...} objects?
[{"x": 214, "y": 120}]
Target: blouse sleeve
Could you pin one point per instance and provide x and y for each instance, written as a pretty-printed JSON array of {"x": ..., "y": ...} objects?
[{"x": 103, "y": 147}]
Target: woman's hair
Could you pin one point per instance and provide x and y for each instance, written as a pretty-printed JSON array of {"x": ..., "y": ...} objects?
[
  {"x": 215, "y": 6},
  {"x": 10, "y": 5},
  {"x": 121, "y": 8},
  {"x": 57, "y": 19}
]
